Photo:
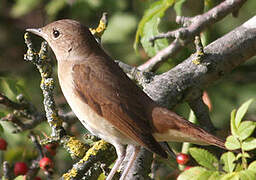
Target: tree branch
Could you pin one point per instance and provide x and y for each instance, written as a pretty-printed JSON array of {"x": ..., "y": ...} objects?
[
  {"x": 185, "y": 35},
  {"x": 221, "y": 57},
  {"x": 180, "y": 83}
]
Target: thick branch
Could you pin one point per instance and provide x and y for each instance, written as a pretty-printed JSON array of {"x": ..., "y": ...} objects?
[
  {"x": 194, "y": 25},
  {"x": 221, "y": 57}
]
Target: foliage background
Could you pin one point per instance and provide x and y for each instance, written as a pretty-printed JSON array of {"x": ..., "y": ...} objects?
[{"x": 17, "y": 76}]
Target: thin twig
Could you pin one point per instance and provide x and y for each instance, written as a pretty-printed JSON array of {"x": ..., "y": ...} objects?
[
  {"x": 11, "y": 104},
  {"x": 7, "y": 172}
]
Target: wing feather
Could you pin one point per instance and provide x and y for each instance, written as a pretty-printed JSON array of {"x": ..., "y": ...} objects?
[{"x": 110, "y": 93}]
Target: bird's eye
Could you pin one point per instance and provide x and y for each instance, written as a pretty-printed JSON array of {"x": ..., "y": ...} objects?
[{"x": 56, "y": 33}]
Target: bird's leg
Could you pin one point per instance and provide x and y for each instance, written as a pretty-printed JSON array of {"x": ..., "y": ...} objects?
[
  {"x": 121, "y": 151},
  {"x": 135, "y": 152}
]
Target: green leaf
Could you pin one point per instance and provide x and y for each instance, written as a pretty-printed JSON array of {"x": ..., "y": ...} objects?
[
  {"x": 240, "y": 155},
  {"x": 150, "y": 30},
  {"x": 21, "y": 7},
  {"x": 228, "y": 159},
  {"x": 12, "y": 87},
  {"x": 241, "y": 112},
  {"x": 215, "y": 176},
  {"x": 239, "y": 167},
  {"x": 245, "y": 129},
  {"x": 21, "y": 177},
  {"x": 230, "y": 176},
  {"x": 151, "y": 19},
  {"x": 1, "y": 129},
  {"x": 2, "y": 114},
  {"x": 205, "y": 175},
  {"x": 194, "y": 173},
  {"x": 249, "y": 144},
  {"x": 247, "y": 175},
  {"x": 178, "y": 7},
  {"x": 252, "y": 166},
  {"x": 232, "y": 143},
  {"x": 233, "y": 124},
  {"x": 204, "y": 158}
]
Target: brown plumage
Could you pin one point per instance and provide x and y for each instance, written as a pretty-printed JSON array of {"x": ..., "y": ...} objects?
[{"x": 107, "y": 102}]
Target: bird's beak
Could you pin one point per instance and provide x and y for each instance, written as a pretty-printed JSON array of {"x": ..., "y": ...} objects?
[{"x": 36, "y": 31}]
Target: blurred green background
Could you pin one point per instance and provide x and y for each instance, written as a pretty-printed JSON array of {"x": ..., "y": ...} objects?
[{"x": 18, "y": 76}]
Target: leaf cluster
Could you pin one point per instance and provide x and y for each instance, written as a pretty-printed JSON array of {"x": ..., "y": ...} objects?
[{"x": 232, "y": 165}]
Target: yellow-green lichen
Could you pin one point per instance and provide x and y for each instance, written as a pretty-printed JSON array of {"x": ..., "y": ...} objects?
[
  {"x": 44, "y": 57},
  {"x": 49, "y": 83},
  {"x": 71, "y": 173},
  {"x": 56, "y": 120},
  {"x": 98, "y": 32},
  {"x": 76, "y": 147},
  {"x": 196, "y": 61},
  {"x": 26, "y": 36},
  {"x": 99, "y": 145}
]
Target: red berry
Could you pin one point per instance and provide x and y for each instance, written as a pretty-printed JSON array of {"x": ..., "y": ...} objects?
[
  {"x": 20, "y": 168},
  {"x": 182, "y": 158},
  {"x": 51, "y": 148},
  {"x": 187, "y": 168},
  {"x": 46, "y": 163},
  {"x": 3, "y": 144}
]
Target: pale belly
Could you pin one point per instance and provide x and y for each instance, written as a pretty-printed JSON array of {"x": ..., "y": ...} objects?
[{"x": 94, "y": 123}]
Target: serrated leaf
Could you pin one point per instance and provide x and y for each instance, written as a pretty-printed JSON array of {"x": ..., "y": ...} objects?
[
  {"x": 193, "y": 173},
  {"x": 249, "y": 144},
  {"x": 178, "y": 7},
  {"x": 232, "y": 143},
  {"x": 228, "y": 159},
  {"x": 245, "y": 129},
  {"x": 241, "y": 112},
  {"x": 230, "y": 176},
  {"x": 233, "y": 124},
  {"x": 22, "y": 7},
  {"x": 247, "y": 175},
  {"x": 204, "y": 158},
  {"x": 153, "y": 13},
  {"x": 252, "y": 166}
]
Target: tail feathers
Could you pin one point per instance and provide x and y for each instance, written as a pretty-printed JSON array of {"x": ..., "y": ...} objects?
[{"x": 171, "y": 127}]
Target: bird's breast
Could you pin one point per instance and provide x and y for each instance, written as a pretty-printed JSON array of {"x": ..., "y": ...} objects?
[{"x": 92, "y": 121}]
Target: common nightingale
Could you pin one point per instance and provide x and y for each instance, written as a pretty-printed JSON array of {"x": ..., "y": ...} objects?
[{"x": 108, "y": 103}]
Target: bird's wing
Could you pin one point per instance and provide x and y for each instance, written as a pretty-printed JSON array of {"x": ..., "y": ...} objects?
[{"x": 110, "y": 93}]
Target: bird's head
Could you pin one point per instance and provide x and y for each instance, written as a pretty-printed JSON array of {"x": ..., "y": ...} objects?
[{"x": 68, "y": 39}]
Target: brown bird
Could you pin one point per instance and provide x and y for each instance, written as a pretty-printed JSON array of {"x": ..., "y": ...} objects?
[{"x": 107, "y": 102}]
